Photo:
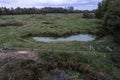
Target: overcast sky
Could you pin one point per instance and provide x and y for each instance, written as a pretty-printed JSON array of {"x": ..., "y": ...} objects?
[{"x": 77, "y": 4}]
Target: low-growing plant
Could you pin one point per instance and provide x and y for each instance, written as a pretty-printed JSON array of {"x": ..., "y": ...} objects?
[
  {"x": 11, "y": 23},
  {"x": 87, "y": 15}
]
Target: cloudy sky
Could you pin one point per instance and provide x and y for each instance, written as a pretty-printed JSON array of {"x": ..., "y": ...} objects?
[{"x": 78, "y": 4}]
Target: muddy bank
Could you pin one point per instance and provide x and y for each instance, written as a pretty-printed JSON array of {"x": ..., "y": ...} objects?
[
  {"x": 45, "y": 34},
  {"x": 56, "y": 35},
  {"x": 49, "y": 34}
]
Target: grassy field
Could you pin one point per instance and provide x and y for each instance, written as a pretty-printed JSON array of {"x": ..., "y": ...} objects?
[
  {"x": 50, "y": 24},
  {"x": 16, "y": 30}
]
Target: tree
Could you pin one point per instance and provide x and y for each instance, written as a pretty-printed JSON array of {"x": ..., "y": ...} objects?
[
  {"x": 112, "y": 20},
  {"x": 102, "y": 9},
  {"x": 33, "y": 10},
  {"x": 98, "y": 12},
  {"x": 0, "y": 12},
  {"x": 109, "y": 11}
]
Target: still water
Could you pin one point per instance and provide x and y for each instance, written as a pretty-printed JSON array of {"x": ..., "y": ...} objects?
[{"x": 79, "y": 37}]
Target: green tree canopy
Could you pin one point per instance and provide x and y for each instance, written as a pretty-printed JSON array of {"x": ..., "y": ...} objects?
[
  {"x": 109, "y": 11},
  {"x": 102, "y": 9},
  {"x": 112, "y": 19}
]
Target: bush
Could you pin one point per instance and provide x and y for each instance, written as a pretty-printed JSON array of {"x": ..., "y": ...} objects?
[
  {"x": 19, "y": 69},
  {"x": 11, "y": 23},
  {"x": 48, "y": 22},
  {"x": 87, "y": 15}
]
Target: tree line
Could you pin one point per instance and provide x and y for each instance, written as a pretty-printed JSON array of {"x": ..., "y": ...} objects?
[
  {"x": 18, "y": 10},
  {"x": 109, "y": 12}
]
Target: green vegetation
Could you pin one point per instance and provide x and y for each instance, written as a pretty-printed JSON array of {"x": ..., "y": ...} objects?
[
  {"x": 102, "y": 8},
  {"x": 112, "y": 20},
  {"x": 109, "y": 11},
  {"x": 16, "y": 30},
  {"x": 88, "y": 15}
]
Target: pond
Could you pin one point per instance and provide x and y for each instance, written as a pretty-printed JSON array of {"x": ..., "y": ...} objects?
[{"x": 79, "y": 37}]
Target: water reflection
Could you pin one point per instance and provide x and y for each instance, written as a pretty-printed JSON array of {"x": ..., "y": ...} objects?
[{"x": 80, "y": 37}]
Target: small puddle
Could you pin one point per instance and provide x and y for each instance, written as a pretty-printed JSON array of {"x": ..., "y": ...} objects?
[
  {"x": 23, "y": 52},
  {"x": 80, "y": 37}
]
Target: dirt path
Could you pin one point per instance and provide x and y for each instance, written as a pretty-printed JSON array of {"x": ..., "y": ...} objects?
[{"x": 19, "y": 54}]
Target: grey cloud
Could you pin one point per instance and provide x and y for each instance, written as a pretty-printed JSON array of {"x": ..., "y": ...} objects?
[{"x": 78, "y": 4}]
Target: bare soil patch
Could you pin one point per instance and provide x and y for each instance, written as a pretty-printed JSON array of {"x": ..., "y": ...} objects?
[{"x": 19, "y": 54}]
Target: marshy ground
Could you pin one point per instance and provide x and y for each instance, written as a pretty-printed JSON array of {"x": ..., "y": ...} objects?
[{"x": 22, "y": 58}]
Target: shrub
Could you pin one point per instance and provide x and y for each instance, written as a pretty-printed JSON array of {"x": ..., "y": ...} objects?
[
  {"x": 19, "y": 69},
  {"x": 11, "y": 23},
  {"x": 87, "y": 15},
  {"x": 47, "y": 22}
]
